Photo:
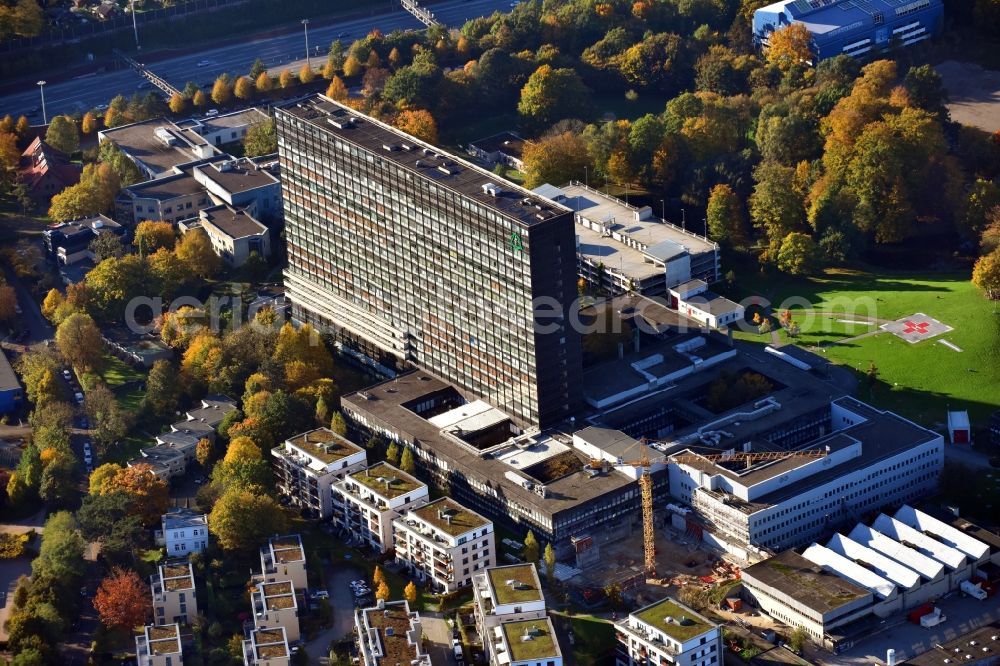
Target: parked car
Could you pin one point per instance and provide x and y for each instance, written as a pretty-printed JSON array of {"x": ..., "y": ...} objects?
[
  {"x": 204, "y": 63},
  {"x": 67, "y": 375},
  {"x": 320, "y": 594},
  {"x": 78, "y": 397}
]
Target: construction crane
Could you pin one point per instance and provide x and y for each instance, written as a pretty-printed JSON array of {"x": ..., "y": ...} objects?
[{"x": 646, "y": 482}]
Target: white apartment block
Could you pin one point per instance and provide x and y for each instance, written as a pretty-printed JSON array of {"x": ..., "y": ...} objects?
[
  {"x": 510, "y": 593},
  {"x": 284, "y": 558},
  {"x": 669, "y": 633},
  {"x": 444, "y": 543},
  {"x": 390, "y": 634},
  {"x": 275, "y": 605},
  {"x": 873, "y": 459},
  {"x": 370, "y": 499},
  {"x": 173, "y": 590},
  {"x": 183, "y": 531},
  {"x": 307, "y": 465},
  {"x": 159, "y": 645},
  {"x": 266, "y": 647}
]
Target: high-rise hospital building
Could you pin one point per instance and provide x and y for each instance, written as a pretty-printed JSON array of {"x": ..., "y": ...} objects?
[{"x": 413, "y": 257}]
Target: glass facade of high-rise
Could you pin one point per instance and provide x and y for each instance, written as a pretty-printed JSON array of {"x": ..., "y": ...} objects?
[{"x": 413, "y": 256}]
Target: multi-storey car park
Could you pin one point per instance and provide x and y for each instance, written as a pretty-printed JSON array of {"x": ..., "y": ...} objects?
[
  {"x": 853, "y": 27},
  {"x": 413, "y": 256}
]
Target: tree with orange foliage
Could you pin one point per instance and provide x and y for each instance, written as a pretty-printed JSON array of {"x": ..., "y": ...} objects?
[
  {"x": 420, "y": 123},
  {"x": 122, "y": 600},
  {"x": 337, "y": 90},
  {"x": 149, "y": 494},
  {"x": 788, "y": 46}
]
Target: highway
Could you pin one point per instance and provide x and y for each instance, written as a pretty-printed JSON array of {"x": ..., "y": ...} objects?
[{"x": 277, "y": 53}]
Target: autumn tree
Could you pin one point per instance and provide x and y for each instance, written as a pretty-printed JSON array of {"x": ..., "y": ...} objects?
[
  {"x": 352, "y": 67},
  {"x": 204, "y": 452},
  {"x": 79, "y": 341},
  {"x": 261, "y": 139},
  {"x": 986, "y": 274},
  {"x": 8, "y": 303},
  {"x": 122, "y": 600},
  {"x": 162, "y": 389},
  {"x": 105, "y": 246},
  {"x": 550, "y": 564},
  {"x": 797, "y": 254},
  {"x": 530, "y": 547},
  {"x": 789, "y": 46},
  {"x": 151, "y": 235},
  {"x": 337, "y": 90},
  {"x": 148, "y": 494},
  {"x": 378, "y": 578},
  {"x": 177, "y": 104},
  {"x": 88, "y": 125},
  {"x": 307, "y": 74},
  {"x": 243, "y": 518},
  {"x": 286, "y": 79},
  {"x": 406, "y": 462},
  {"x": 95, "y": 193},
  {"x": 63, "y": 135},
  {"x": 410, "y": 592},
  {"x": 775, "y": 208},
  {"x": 109, "y": 422},
  {"x": 382, "y": 592},
  {"x": 195, "y": 250},
  {"x": 392, "y": 454},
  {"x": 551, "y": 94},
  {"x": 338, "y": 424},
  {"x": 243, "y": 89},
  {"x": 725, "y": 217},
  {"x": 199, "y": 100},
  {"x": 419, "y": 123},
  {"x": 555, "y": 159},
  {"x": 264, "y": 83},
  {"x": 222, "y": 90}
]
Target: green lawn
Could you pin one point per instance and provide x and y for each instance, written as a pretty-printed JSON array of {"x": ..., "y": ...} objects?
[
  {"x": 919, "y": 380},
  {"x": 593, "y": 639},
  {"x": 121, "y": 378}
]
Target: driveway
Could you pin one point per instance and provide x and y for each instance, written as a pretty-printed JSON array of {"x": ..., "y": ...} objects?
[
  {"x": 438, "y": 635},
  {"x": 338, "y": 578},
  {"x": 10, "y": 571},
  {"x": 31, "y": 316}
]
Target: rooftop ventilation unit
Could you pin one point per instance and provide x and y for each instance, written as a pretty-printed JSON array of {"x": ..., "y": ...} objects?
[
  {"x": 450, "y": 171},
  {"x": 491, "y": 189},
  {"x": 340, "y": 122}
]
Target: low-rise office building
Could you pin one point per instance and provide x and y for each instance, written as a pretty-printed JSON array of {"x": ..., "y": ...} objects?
[
  {"x": 266, "y": 647},
  {"x": 307, "y": 465},
  {"x": 163, "y": 462},
  {"x": 174, "y": 597},
  {"x": 284, "y": 558},
  {"x": 867, "y": 459},
  {"x": 159, "y": 645},
  {"x": 390, "y": 634},
  {"x": 694, "y": 300},
  {"x": 183, "y": 531},
  {"x": 276, "y": 605},
  {"x": 234, "y": 234},
  {"x": 370, "y": 499},
  {"x": 621, "y": 248},
  {"x": 511, "y": 593},
  {"x": 505, "y": 148},
  {"x": 668, "y": 632},
  {"x": 444, "y": 543}
]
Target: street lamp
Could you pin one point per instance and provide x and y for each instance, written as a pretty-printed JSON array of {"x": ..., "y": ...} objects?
[
  {"x": 41, "y": 88},
  {"x": 663, "y": 211},
  {"x": 684, "y": 219},
  {"x": 135, "y": 27},
  {"x": 305, "y": 27},
  {"x": 586, "y": 177}
]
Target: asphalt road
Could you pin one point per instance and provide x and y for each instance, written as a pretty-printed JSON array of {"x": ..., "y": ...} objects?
[{"x": 277, "y": 53}]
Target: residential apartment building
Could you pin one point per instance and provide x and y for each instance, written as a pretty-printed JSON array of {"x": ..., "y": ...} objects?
[
  {"x": 306, "y": 467},
  {"x": 174, "y": 597},
  {"x": 159, "y": 645},
  {"x": 183, "y": 531},
  {"x": 370, "y": 499},
  {"x": 509, "y": 593},
  {"x": 276, "y": 605},
  {"x": 234, "y": 234},
  {"x": 266, "y": 647},
  {"x": 69, "y": 242},
  {"x": 668, "y": 632},
  {"x": 525, "y": 643},
  {"x": 46, "y": 171},
  {"x": 413, "y": 256},
  {"x": 444, "y": 543},
  {"x": 872, "y": 459},
  {"x": 164, "y": 462},
  {"x": 390, "y": 634},
  {"x": 284, "y": 558}
]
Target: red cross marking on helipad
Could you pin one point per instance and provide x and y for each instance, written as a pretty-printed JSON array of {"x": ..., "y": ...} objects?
[{"x": 921, "y": 328}]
